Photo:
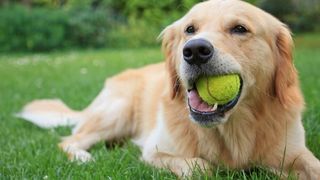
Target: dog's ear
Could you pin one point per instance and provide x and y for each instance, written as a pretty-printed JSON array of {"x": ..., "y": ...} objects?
[
  {"x": 286, "y": 80},
  {"x": 170, "y": 40}
]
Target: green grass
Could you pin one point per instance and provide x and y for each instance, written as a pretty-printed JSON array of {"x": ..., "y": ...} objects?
[{"x": 76, "y": 77}]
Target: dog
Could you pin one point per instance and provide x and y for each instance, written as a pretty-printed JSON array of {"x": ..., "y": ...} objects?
[{"x": 159, "y": 108}]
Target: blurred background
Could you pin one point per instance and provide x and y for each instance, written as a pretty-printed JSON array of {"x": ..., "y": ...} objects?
[{"x": 46, "y": 25}]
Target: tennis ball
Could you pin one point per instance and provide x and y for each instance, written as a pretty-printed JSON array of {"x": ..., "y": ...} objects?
[{"x": 218, "y": 89}]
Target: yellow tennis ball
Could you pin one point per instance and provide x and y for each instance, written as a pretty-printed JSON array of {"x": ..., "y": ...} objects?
[{"x": 218, "y": 89}]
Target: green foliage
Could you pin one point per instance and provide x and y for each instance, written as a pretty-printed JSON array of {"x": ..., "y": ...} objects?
[
  {"x": 154, "y": 11},
  {"x": 43, "y": 29},
  {"x": 36, "y": 29},
  {"x": 146, "y": 19},
  {"x": 304, "y": 21},
  {"x": 135, "y": 34},
  {"x": 298, "y": 16},
  {"x": 252, "y": 1},
  {"x": 278, "y": 8},
  {"x": 87, "y": 27}
]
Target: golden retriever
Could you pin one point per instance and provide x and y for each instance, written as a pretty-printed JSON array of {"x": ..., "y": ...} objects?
[{"x": 159, "y": 108}]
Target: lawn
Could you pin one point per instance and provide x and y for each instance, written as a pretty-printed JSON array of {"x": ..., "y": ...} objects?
[{"x": 76, "y": 77}]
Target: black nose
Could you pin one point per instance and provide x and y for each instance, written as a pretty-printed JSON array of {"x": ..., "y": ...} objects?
[{"x": 197, "y": 51}]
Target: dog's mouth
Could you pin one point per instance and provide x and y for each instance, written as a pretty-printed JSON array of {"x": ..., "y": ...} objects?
[{"x": 204, "y": 113}]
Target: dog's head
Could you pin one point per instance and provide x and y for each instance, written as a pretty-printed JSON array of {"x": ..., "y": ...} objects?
[{"x": 219, "y": 37}]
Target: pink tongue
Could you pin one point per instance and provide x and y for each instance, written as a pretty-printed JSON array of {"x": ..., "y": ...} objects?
[{"x": 197, "y": 103}]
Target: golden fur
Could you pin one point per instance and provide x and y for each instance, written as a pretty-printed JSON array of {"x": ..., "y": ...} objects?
[{"x": 149, "y": 104}]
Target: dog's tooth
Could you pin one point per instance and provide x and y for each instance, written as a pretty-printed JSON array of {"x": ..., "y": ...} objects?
[{"x": 215, "y": 107}]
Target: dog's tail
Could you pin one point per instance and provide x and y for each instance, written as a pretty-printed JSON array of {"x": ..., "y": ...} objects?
[{"x": 49, "y": 113}]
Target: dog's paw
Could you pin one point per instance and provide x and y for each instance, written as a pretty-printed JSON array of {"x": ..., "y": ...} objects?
[
  {"x": 77, "y": 155},
  {"x": 314, "y": 173},
  {"x": 81, "y": 156},
  {"x": 187, "y": 167}
]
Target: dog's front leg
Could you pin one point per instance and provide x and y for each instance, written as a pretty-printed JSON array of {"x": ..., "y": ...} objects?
[
  {"x": 301, "y": 163},
  {"x": 182, "y": 167},
  {"x": 306, "y": 165}
]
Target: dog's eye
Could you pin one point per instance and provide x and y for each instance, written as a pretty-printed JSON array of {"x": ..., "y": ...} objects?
[
  {"x": 239, "y": 29},
  {"x": 190, "y": 29}
]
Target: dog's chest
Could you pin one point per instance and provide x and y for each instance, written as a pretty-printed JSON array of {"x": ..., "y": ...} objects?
[{"x": 232, "y": 148}]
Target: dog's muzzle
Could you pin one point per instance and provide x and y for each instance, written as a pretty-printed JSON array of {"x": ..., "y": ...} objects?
[{"x": 202, "y": 59}]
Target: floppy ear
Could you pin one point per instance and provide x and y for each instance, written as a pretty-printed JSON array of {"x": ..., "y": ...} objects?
[
  {"x": 170, "y": 40},
  {"x": 286, "y": 82}
]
